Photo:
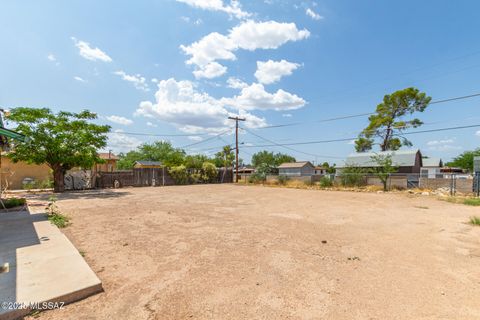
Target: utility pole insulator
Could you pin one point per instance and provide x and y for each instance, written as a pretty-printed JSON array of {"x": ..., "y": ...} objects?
[{"x": 236, "y": 144}]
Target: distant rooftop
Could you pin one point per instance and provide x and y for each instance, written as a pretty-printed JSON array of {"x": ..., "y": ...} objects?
[
  {"x": 400, "y": 158},
  {"x": 148, "y": 163},
  {"x": 298, "y": 164},
  {"x": 107, "y": 156},
  {"x": 432, "y": 162}
]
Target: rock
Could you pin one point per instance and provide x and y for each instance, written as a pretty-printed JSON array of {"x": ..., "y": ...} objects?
[{"x": 425, "y": 193}]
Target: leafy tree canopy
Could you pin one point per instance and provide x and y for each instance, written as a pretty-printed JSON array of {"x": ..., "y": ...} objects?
[
  {"x": 196, "y": 161},
  {"x": 270, "y": 159},
  {"x": 384, "y": 168},
  {"x": 62, "y": 140},
  {"x": 162, "y": 151},
  {"x": 225, "y": 158},
  {"x": 388, "y": 123},
  {"x": 329, "y": 168},
  {"x": 465, "y": 160}
]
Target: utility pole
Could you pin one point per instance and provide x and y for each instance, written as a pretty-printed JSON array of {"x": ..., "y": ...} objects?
[{"x": 236, "y": 144}]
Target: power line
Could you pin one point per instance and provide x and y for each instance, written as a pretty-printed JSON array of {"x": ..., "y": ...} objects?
[
  {"x": 206, "y": 140},
  {"x": 294, "y": 123},
  {"x": 161, "y": 134},
  {"x": 350, "y": 139},
  {"x": 292, "y": 149},
  {"x": 361, "y": 114}
]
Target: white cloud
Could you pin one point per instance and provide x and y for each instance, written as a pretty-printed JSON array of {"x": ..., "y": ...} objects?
[
  {"x": 233, "y": 9},
  {"x": 210, "y": 71},
  {"x": 235, "y": 83},
  {"x": 120, "y": 120},
  {"x": 213, "y": 46},
  {"x": 119, "y": 142},
  {"x": 255, "y": 97},
  {"x": 477, "y": 133},
  {"x": 91, "y": 53},
  {"x": 312, "y": 14},
  {"x": 252, "y": 35},
  {"x": 443, "y": 145},
  {"x": 439, "y": 142},
  {"x": 287, "y": 115},
  {"x": 150, "y": 124},
  {"x": 272, "y": 71},
  {"x": 249, "y": 35},
  {"x": 79, "y": 79},
  {"x": 180, "y": 103},
  {"x": 188, "y": 20},
  {"x": 52, "y": 57},
  {"x": 137, "y": 80},
  {"x": 195, "y": 138}
]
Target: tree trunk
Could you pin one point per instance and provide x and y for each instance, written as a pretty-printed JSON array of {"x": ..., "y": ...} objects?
[{"x": 58, "y": 179}]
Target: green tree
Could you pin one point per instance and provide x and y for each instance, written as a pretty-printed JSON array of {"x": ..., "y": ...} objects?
[
  {"x": 261, "y": 173},
  {"x": 195, "y": 161},
  {"x": 282, "y": 158},
  {"x": 465, "y": 160},
  {"x": 329, "y": 168},
  {"x": 162, "y": 151},
  {"x": 270, "y": 159},
  {"x": 265, "y": 157},
  {"x": 388, "y": 122},
  {"x": 384, "y": 168},
  {"x": 62, "y": 140},
  {"x": 225, "y": 157},
  {"x": 127, "y": 160}
]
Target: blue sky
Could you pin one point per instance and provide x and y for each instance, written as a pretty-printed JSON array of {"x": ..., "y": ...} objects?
[{"x": 183, "y": 66}]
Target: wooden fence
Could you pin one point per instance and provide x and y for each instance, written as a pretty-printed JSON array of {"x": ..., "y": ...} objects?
[{"x": 143, "y": 177}]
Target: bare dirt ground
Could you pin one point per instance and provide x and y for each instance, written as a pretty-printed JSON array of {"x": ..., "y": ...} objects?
[{"x": 243, "y": 252}]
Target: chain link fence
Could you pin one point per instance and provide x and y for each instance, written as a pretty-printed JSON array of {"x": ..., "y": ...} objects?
[{"x": 451, "y": 183}]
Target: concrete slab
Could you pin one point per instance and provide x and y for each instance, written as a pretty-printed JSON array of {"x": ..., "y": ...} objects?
[{"x": 40, "y": 264}]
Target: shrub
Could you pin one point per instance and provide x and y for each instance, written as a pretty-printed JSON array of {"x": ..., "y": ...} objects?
[
  {"x": 261, "y": 173},
  {"x": 209, "y": 172},
  {"x": 255, "y": 178},
  {"x": 44, "y": 184},
  {"x": 196, "y": 178},
  {"x": 472, "y": 202},
  {"x": 14, "y": 202},
  {"x": 283, "y": 180},
  {"x": 179, "y": 174},
  {"x": 54, "y": 215},
  {"x": 325, "y": 182},
  {"x": 475, "y": 221},
  {"x": 352, "y": 176}
]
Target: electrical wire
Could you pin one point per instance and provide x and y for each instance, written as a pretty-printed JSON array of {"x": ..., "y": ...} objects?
[
  {"x": 350, "y": 139},
  {"x": 206, "y": 140},
  {"x": 360, "y": 114},
  {"x": 289, "y": 148}
]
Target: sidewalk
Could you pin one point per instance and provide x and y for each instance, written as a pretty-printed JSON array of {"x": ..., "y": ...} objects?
[{"x": 39, "y": 264}]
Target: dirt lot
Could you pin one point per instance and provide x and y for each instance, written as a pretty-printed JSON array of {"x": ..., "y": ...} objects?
[{"x": 240, "y": 252}]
